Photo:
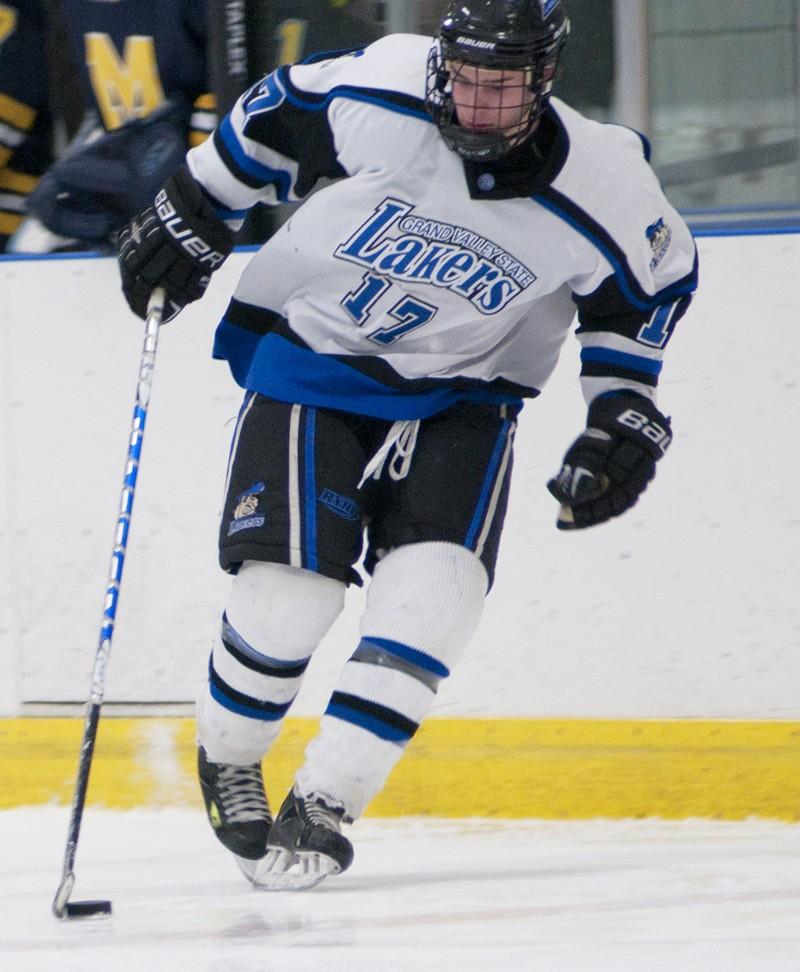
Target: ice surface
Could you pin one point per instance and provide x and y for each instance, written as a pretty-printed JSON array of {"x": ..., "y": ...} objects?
[{"x": 425, "y": 896}]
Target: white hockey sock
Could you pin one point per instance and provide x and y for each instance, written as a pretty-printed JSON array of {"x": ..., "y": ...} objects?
[
  {"x": 423, "y": 605},
  {"x": 275, "y": 618}
]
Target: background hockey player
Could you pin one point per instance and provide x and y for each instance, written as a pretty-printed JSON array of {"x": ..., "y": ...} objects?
[
  {"x": 144, "y": 80},
  {"x": 25, "y": 122},
  {"x": 386, "y": 338}
]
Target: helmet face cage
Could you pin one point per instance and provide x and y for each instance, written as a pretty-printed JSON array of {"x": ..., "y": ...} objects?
[{"x": 508, "y": 46}]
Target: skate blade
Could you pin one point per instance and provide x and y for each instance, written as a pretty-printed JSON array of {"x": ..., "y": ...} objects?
[
  {"x": 246, "y": 866},
  {"x": 281, "y": 870}
]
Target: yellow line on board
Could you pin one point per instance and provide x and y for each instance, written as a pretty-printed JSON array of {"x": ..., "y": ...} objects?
[{"x": 509, "y": 768}]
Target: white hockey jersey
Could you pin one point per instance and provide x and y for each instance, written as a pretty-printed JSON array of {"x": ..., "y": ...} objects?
[{"x": 413, "y": 279}]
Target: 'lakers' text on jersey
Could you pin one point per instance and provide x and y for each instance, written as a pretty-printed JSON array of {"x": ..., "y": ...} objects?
[{"x": 413, "y": 279}]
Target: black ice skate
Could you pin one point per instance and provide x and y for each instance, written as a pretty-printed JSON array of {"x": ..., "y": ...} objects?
[
  {"x": 236, "y": 804},
  {"x": 305, "y": 846}
]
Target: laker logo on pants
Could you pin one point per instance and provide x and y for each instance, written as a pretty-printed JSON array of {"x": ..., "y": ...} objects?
[{"x": 245, "y": 514}]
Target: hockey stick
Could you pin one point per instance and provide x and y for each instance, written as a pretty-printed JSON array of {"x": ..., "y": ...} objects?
[{"x": 62, "y": 906}]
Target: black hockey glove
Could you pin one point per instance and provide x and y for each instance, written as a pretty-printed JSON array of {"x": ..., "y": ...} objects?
[
  {"x": 176, "y": 244},
  {"x": 608, "y": 467}
]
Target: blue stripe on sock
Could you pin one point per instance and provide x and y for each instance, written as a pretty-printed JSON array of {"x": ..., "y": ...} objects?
[
  {"x": 376, "y": 726},
  {"x": 634, "y": 362},
  {"x": 232, "y": 700},
  {"x": 419, "y": 658}
]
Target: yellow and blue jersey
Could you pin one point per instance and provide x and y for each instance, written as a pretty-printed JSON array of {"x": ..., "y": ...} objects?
[
  {"x": 134, "y": 54},
  {"x": 25, "y": 121}
]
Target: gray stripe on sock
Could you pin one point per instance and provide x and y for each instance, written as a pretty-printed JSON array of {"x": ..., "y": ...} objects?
[{"x": 371, "y": 654}]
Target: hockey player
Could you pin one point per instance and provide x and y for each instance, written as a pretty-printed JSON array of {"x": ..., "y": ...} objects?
[
  {"x": 25, "y": 123},
  {"x": 386, "y": 337},
  {"x": 137, "y": 60}
]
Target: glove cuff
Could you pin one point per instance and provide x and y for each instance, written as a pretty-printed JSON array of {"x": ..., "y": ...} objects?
[
  {"x": 633, "y": 417},
  {"x": 191, "y": 225}
]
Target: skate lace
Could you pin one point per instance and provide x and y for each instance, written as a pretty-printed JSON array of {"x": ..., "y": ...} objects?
[
  {"x": 319, "y": 814},
  {"x": 240, "y": 793}
]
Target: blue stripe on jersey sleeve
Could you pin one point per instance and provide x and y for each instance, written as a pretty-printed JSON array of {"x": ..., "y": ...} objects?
[
  {"x": 280, "y": 178},
  {"x": 231, "y": 214},
  {"x": 563, "y": 207},
  {"x": 354, "y": 94},
  {"x": 634, "y": 362},
  {"x": 401, "y": 104}
]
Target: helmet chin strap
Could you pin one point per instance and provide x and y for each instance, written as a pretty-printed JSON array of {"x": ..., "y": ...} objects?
[{"x": 490, "y": 144}]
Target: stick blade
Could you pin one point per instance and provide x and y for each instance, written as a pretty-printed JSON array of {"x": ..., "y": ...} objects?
[
  {"x": 566, "y": 518},
  {"x": 87, "y": 909}
]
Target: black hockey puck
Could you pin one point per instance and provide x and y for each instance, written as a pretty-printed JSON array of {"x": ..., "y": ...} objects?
[{"x": 87, "y": 909}]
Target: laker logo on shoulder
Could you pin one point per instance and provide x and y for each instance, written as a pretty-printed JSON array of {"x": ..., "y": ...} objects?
[{"x": 660, "y": 236}]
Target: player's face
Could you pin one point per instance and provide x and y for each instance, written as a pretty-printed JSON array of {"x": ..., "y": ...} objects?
[{"x": 491, "y": 100}]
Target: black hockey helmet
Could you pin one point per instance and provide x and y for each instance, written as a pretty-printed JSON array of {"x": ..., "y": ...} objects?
[{"x": 503, "y": 35}]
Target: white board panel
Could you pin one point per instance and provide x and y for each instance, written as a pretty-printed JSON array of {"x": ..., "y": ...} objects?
[{"x": 685, "y": 607}]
